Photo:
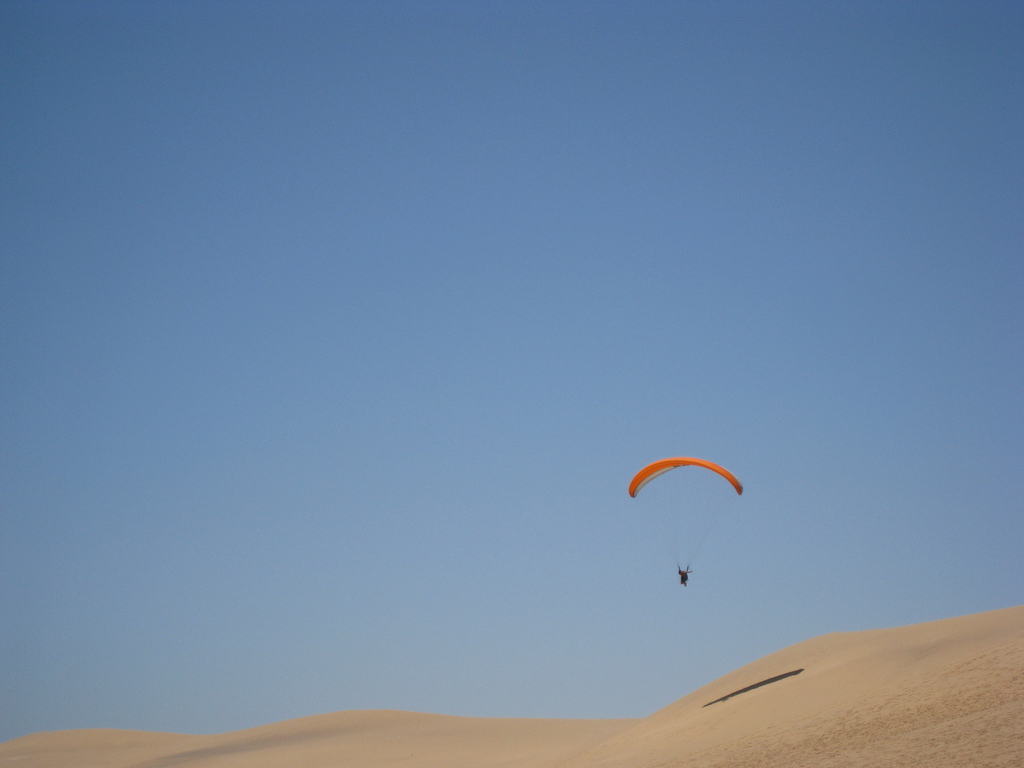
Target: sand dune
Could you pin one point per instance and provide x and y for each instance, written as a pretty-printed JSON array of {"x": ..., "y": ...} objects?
[
  {"x": 364, "y": 738},
  {"x": 942, "y": 693}
]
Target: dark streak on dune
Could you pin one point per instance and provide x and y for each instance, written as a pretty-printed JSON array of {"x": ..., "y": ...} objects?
[{"x": 756, "y": 685}]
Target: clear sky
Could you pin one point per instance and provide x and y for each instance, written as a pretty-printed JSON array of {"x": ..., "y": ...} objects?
[{"x": 331, "y": 336}]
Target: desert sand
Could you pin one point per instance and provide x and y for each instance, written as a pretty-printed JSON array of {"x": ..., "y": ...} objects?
[{"x": 943, "y": 693}]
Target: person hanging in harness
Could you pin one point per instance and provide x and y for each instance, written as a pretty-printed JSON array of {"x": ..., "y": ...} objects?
[{"x": 684, "y": 575}]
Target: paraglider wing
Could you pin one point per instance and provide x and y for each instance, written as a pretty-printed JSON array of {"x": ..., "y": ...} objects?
[{"x": 651, "y": 471}]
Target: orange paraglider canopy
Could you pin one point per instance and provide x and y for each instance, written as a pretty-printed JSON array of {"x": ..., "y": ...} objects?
[{"x": 651, "y": 471}]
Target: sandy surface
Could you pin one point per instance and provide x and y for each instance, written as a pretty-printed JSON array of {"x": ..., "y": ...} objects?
[
  {"x": 942, "y": 693},
  {"x": 364, "y": 738}
]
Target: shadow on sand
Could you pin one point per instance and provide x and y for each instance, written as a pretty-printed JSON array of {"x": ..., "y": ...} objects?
[{"x": 756, "y": 685}]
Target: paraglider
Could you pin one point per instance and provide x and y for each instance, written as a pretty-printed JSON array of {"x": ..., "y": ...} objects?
[
  {"x": 657, "y": 468},
  {"x": 684, "y": 576}
]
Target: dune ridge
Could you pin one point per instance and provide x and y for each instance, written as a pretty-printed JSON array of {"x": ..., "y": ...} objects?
[
  {"x": 354, "y": 738},
  {"x": 939, "y": 693}
]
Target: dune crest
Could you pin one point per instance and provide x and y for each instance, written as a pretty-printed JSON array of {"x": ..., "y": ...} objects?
[
  {"x": 364, "y": 738},
  {"x": 941, "y": 693}
]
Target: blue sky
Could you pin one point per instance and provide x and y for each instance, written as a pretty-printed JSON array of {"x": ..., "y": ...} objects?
[{"x": 331, "y": 337}]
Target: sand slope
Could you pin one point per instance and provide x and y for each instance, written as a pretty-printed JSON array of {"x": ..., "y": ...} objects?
[
  {"x": 942, "y": 693},
  {"x": 365, "y": 739}
]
